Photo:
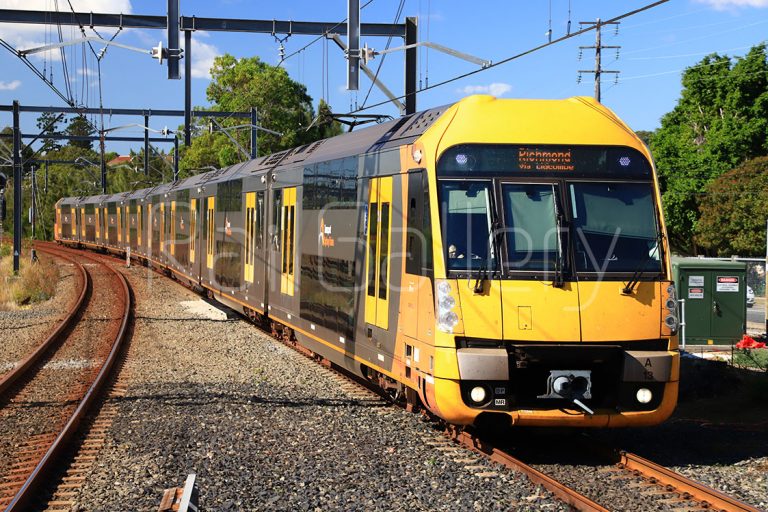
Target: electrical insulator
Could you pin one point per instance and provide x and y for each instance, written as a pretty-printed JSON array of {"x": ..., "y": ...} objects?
[
  {"x": 580, "y": 54},
  {"x": 578, "y": 79},
  {"x": 281, "y": 51}
]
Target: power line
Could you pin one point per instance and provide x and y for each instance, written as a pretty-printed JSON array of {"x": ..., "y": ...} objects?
[{"x": 518, "y": 55}]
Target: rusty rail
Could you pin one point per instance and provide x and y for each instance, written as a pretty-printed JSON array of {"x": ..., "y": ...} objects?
[
  {"x": 37, "y": 477},
  {"x": 12, "y": 376},
  {"x": 707, "y": 497},
  {"x": 566, "y": 494}
]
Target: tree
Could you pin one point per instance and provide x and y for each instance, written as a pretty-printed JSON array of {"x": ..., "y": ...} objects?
[
  {"x": 282, "y": 105},
  {"x": 720, "y": 121},
  {"x": 734, "y": 209},
  {"x": 48, "y": 123},
  {"x": 80, "y": 126}
]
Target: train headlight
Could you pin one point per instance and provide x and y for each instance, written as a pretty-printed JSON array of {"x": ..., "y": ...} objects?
[
  {"x": 478, "y": 394},
  {"x": 644, "y": 395},
  {"x": 447, "y": 319},
  {"x": 671, "y": 322}
]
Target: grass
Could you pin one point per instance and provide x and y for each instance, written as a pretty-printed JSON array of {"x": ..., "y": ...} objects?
[
  {"x": 751, "y": 358},
  {"x": 36, "y": 282}
]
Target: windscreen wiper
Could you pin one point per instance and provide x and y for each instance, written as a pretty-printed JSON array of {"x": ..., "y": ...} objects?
[
  {"x": 482, "y": 275},
  {"x": 559, "y": 280},
  {"x": 629, "y": 287}
]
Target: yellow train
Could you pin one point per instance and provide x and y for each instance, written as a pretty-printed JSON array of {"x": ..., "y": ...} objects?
[{"x": 495, "y": 261}]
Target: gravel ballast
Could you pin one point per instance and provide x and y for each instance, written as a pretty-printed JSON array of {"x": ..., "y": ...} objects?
[
  {"x": 264, "y": 428},
  {"x": 23, "y": 329}
]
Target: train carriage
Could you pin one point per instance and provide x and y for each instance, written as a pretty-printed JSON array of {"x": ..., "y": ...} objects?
[{"x": 496, "y": 261}]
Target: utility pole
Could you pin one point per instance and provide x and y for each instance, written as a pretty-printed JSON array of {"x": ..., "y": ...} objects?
[
  {"x": 17, "y": 199},
  {"x": 598, "y": 47}
]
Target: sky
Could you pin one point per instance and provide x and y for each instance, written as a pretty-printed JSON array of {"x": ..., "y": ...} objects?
[{"x": 656, "y": 47}]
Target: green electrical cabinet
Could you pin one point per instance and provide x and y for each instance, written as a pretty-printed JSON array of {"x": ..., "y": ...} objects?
[{"x": 715, "y": 294}]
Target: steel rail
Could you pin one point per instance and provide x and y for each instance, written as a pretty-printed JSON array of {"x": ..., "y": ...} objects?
[
  {"x": 11, "y": 377},
  {"x": 567, "y": 495},
  {"x": 688, "y": 489},
  {"x": 36, "y": 478}
]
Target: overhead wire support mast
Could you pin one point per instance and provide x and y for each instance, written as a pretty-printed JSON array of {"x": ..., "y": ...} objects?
[{"x": 598, "y": 47}]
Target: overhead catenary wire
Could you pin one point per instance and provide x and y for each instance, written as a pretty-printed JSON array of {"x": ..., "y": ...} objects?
[{"x": 521, "y": 54}]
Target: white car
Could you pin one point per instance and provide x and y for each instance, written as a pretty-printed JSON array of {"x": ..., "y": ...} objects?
[{"x": 750, "y": 297}]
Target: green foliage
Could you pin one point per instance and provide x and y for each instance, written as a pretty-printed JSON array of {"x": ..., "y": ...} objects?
[
  {"x": 80, "y": 126},
  {"x": 282, "y": 105},
  {"x": 720, "y": 121},
  {"x": 733, "y": 211},
  {"x": 48, "y": 123}
]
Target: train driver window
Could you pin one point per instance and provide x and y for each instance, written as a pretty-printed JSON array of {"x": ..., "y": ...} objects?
[{"x": 466, "y": 217}]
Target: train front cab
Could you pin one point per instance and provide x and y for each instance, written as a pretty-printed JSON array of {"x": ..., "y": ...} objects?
[{"x": 554, "y": 301}]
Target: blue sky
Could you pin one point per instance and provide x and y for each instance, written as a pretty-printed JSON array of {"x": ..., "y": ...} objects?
[{"x": 656, "y": 46}]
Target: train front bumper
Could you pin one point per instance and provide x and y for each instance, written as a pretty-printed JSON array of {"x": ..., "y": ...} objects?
[{"x": 616, "y": 386}]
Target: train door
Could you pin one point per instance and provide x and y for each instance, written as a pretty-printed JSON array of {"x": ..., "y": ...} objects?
[
  {"x": 288, "y": 235},
  {"x": 98, "y": 224},
  {"x": 150, "y": 230},
  {"x": 162, "y": 231},
  {"x": 104, "y": 224},
  {"x": 254, "y": 266},
  {"x": 128, "y": 225},
  {"x": 119, "y": 225},
  {"x": 210, "y": 233},
  {"x": 192, "y": 235},
  {"x": 377, "y": 261},
  {"x": 139, "y": 226},
  {"x": 172, "y": 235},
  {"x": 82, "y": 223}
]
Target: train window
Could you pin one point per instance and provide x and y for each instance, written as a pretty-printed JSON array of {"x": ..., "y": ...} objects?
[
  {"x": 309, "y": 192},
  {"x": 384, "y": 251},
  {"x": 259, "y": 220},
  {"x": 616, "y": 227},
  {"x": 373, "y": 223},
  {"x": 531, "y": 226},
  {"x": 419, "y": 237},
  {"x": 277, "y": 199},
  {"x": 466, "y": 217}
]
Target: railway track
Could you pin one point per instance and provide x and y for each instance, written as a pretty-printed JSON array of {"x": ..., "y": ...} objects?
[
  {"x": 46, "y": 397},
  {"x": 671, "y": 491}
]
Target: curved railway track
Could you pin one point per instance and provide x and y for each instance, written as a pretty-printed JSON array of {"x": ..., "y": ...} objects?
[
  {"x": 674, "y": 491},
  {"x": 47, "y": 396}
]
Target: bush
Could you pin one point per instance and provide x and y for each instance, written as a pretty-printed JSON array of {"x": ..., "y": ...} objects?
[
  {"x": 35, "y": 283},
  {"x": 751, "y": 358}
]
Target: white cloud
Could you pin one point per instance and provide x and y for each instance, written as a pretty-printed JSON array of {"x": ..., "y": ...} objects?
[
  {"x": 202, "y": 57},
  {"x": 721, "y": 5},
  {"x": 497, "y": 89},
  {"x": 10, "y": 86},
  {"x": 22, "y": 36}
]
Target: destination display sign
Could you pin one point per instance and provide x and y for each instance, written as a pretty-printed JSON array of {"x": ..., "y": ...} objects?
[{"x": 516, "y": 159}]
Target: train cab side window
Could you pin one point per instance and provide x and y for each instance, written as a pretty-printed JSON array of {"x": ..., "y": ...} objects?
[{"x": 419, "y": 237}]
